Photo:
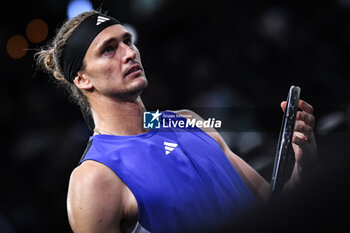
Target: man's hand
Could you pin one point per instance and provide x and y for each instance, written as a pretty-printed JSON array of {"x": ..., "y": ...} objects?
[{"x": 304, "y": 143}]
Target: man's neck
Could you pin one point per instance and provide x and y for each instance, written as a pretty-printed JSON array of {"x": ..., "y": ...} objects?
[{"x": 119, "y": 117}]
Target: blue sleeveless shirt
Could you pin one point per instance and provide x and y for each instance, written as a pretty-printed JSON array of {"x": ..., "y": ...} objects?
[{"x": 180, "y": 177}]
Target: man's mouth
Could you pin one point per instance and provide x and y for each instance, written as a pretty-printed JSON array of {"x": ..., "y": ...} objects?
[{"x": 133, "y": 70}]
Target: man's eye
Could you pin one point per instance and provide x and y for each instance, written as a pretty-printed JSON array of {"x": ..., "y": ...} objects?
[
  {"x": 128, "y": 41},
  {"x": 109, "y": 49}
]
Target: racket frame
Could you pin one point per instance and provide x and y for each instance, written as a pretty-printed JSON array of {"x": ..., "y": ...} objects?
[{"x": 284, "y": 146}]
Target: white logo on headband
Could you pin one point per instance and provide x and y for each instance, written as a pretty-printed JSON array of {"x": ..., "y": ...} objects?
[{"x": 101, "y": 19}]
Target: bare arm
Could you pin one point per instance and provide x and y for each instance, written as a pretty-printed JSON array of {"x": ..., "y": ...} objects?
[
  {"x": 256, "y": 183},
  {"x": 94, "y": 200}
]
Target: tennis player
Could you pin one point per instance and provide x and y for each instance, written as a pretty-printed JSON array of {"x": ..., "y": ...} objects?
[{"x": 132, "y": 179}]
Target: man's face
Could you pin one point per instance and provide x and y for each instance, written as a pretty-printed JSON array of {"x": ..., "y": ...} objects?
[{"x": 113, "y": 64}]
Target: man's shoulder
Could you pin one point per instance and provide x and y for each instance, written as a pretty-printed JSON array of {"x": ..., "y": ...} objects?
[
  {"x": 94, "y": 193},
  {"x": 93, "y": 176}
]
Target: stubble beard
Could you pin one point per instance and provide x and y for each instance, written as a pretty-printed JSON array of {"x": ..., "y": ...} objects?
[{"x": 128, "y": 94}]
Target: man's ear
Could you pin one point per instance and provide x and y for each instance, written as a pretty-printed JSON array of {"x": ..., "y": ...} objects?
[{"x": 82, "y": 82}]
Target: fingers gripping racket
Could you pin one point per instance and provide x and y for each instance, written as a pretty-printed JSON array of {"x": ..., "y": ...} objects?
[{"x": 284, "y": 146}]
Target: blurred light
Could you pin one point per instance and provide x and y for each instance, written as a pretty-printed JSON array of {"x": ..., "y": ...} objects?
[
  {"x": 249, "y": 141},
  {"x": 37, "y": 30},
  {"x": 133, "y": 32},
  {"x": 330, "y": 122},
  {"x": 273, "y": 23},
  {"x": 17, "y": 46},
  {"x": 344, "y": 3},
  {"x": 146, "y": 7},
  {"x": 75, "y": 7}
]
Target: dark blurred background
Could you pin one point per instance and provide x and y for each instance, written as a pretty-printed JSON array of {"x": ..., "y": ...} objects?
[{"x": 232, "y": 60}]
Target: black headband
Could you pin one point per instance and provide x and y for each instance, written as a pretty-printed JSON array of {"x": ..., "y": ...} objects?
[{"x": 79, "y": 42}]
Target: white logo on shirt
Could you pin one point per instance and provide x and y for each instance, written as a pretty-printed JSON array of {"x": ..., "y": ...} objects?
[{"x": 169, "y": 147}]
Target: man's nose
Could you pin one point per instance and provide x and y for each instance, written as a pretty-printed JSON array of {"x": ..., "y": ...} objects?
[{"x": 129, "y": 53}]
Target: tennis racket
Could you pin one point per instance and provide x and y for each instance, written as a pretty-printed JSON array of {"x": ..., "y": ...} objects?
[{"x": 284, "y": 146}]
